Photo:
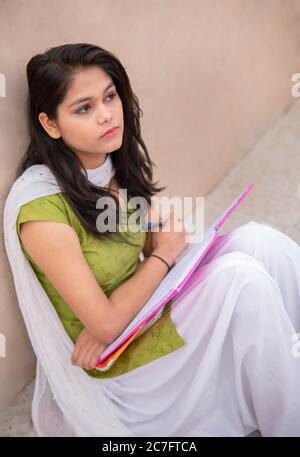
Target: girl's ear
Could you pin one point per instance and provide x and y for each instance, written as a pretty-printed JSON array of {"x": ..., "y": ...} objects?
[{"x": 49, "y": 126}]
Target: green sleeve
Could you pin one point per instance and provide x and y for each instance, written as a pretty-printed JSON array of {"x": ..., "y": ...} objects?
[{"x": 48, "y": 208}]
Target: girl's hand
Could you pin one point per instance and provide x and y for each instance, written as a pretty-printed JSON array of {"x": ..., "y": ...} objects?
[
  {"x": 87, "y": 350},
  {"x": 168, "y": 241}
]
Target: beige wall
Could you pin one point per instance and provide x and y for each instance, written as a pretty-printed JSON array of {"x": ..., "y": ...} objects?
[{"x": 210, "y": 75}]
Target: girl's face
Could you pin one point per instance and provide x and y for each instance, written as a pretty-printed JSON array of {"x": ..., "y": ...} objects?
[{"x": 82, "y": 123}]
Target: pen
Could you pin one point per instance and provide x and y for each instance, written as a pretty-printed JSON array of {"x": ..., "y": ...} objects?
[{"x": 150, "y": 225}]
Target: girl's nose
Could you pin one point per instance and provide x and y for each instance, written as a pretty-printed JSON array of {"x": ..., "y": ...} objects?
[{"x": 104, "y": 115}]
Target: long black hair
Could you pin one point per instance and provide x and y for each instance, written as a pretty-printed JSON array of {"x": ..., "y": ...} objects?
[{"x": 49, "y": 77}]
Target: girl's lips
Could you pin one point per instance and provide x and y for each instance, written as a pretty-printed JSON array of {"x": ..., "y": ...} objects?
[{"x": 110, "y": 134}]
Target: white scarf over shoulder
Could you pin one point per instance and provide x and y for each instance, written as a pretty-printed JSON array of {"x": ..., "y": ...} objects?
[{"x": 66, "y": 401}]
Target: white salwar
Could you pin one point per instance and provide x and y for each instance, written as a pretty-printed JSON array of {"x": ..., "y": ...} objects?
[
  {"x": 239, "y": 316},
  {"x": 237, "y": 372}
]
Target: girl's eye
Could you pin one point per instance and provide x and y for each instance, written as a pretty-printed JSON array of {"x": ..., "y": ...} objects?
[
  {"x": 79, "y": 111},
  {"x": 111, "y": 96}
]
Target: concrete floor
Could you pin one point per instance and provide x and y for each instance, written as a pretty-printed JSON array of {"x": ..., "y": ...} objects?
[{"x": 273, "y": 166}]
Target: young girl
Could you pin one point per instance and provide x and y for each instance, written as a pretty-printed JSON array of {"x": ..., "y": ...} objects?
[{"x": 222, "y": 360}]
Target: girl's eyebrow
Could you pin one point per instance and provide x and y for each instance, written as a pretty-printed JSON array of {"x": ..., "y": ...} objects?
[{"x": 83, "y": 99}]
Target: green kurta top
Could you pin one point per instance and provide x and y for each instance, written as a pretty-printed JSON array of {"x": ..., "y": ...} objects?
[{"x": 112, "y": 263}]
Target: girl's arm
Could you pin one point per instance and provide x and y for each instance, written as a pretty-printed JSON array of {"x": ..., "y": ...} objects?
[{"x": 104, "y": 317}]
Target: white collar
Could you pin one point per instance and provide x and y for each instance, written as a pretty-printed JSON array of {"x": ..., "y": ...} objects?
[{"x": 101, "y": 175}]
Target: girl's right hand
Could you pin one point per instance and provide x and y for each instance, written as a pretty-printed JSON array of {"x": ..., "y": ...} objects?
[{"x": 167, "y": 242}]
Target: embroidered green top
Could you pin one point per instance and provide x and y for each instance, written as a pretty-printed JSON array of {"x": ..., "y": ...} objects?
[{"x": 112, "y": 263}]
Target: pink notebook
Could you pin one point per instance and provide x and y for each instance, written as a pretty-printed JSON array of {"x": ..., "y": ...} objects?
[{"x": 169, "y": 287}]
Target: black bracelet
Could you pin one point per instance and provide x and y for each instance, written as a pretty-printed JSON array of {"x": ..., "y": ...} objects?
[{"x": 155, "y": 255}]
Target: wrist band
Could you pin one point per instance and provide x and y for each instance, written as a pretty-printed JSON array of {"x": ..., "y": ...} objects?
[{"x": 154, "y": 255}]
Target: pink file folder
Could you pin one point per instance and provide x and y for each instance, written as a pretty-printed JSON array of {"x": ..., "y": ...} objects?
[{"x": 111, "y": 354}]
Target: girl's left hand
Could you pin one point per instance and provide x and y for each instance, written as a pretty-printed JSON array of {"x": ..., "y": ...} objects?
[{"x": 87, "y": 350}]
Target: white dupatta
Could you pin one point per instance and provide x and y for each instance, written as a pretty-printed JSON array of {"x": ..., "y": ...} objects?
[{"x": 66, "y": 401}]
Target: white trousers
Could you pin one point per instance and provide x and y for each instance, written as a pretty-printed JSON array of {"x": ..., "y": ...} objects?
[{"x": 240, "y": 368}]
